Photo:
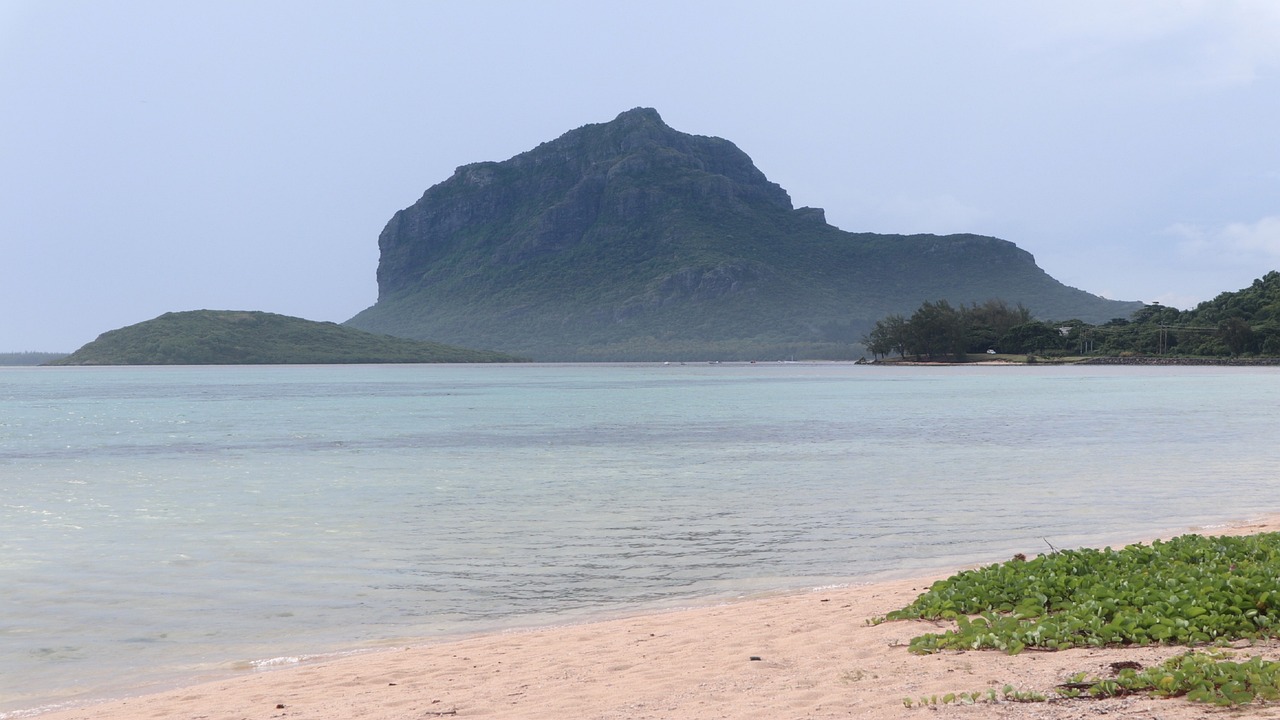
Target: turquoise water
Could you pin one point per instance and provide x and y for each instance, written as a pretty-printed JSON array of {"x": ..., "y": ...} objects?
[{"x": 161, "y": 524}]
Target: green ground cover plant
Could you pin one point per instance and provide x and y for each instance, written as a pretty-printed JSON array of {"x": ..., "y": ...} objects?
[
  {"x": 1185, "y": 591},
  {"x": 1192, "y": 590},
  {"x": 1210, "y": 677}
]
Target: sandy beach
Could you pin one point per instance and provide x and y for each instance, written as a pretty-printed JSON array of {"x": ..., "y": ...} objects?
[{"x": 805, "y": 655}]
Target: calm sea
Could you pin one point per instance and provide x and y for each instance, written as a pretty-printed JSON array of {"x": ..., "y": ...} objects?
[{"x": 160, "y": 524}]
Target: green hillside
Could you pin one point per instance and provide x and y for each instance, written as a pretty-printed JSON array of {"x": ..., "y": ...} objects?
[
  {"x": 1244, "y": 322},
  {"x": 213, "y": 337},
  {"x": 1244, "y": 325},
  {"x": 629, "y": 240}
]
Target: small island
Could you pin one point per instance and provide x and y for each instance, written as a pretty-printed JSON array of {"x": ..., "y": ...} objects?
[{"x": 226, "y": 337}]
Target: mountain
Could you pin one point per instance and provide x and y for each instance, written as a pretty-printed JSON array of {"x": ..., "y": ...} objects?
[
  {"x": 223, "y": 337},
  {"x": 629, "y": 240}
]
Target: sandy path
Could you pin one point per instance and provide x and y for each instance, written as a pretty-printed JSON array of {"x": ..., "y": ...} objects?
[{"x": 808, "y": 655}]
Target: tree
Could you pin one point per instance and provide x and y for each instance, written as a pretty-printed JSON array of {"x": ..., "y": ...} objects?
[
  {"x": 936, "y": 330},
  {"x": 1233, "y": 323},
  {"x": 1268, "y": 338},
  {"x": 1031, "y": 337},
  {"x": 985, "y": 324},
  {"x": 1236, "y": 333},
  {"x": 888, "y": 335},
  {"x": 1155, "y": 314}
]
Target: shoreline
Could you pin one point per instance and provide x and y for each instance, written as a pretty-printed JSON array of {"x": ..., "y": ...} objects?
[
  {"x": 1137, "y": 361},
  {"x": 806, "y": 653}
]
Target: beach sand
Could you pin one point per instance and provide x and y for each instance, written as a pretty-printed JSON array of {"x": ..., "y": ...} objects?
[{"x": 804, "y": 655}]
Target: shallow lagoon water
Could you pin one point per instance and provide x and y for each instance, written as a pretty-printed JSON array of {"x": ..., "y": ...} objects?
[{"x": 167, "y": 523}]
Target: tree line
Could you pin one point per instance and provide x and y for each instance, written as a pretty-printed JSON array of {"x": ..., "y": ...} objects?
[
  {"x": 1233, "y": 324},
  {"x": 937, "y": 330}
]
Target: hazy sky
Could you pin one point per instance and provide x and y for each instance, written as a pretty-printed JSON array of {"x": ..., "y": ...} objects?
[{"x": 165, "y": 155}]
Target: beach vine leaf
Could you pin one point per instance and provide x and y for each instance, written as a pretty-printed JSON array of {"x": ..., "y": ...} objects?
[{"x": 1190, "y": 590}]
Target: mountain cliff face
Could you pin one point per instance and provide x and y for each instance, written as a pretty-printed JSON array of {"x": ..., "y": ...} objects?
[{"x": 631, "y": 240}]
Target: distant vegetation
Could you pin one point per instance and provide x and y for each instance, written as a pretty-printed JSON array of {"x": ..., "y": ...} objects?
[
  {"x": 29, "y": 358},
  {"x": 211, "y": 337},
  {"x": 1245, "y": 323}
]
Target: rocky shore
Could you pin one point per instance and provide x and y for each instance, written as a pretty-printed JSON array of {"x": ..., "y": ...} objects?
[{"x": 1230, "y": 362}]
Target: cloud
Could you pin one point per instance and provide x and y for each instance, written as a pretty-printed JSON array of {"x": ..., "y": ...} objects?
[
  {"x": 12, "y": 17},
  {"x": 1181, "y": 301},
  {"x": 1207, "y": 42},
  {"x": 1247, "y": 42},
  {"x": 1235, "y": 242},
  {"x": 942, "y": 214}
]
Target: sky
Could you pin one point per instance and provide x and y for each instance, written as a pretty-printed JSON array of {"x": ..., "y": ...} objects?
[{"x": 161, "y": 156}]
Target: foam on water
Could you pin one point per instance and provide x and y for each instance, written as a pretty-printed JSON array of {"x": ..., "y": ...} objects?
[{"x": 171, "y": 523}]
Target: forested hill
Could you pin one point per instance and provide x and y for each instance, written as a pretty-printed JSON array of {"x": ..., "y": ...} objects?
[
  {"x": 629, "y": 240},
  {"x": 1242, "y": 324},
  {"x": 1258, "y": 305},
  {"x": 218, "y": 337}
]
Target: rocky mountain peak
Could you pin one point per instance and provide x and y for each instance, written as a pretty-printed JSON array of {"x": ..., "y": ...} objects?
[{"x": 630, "y": 239}]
